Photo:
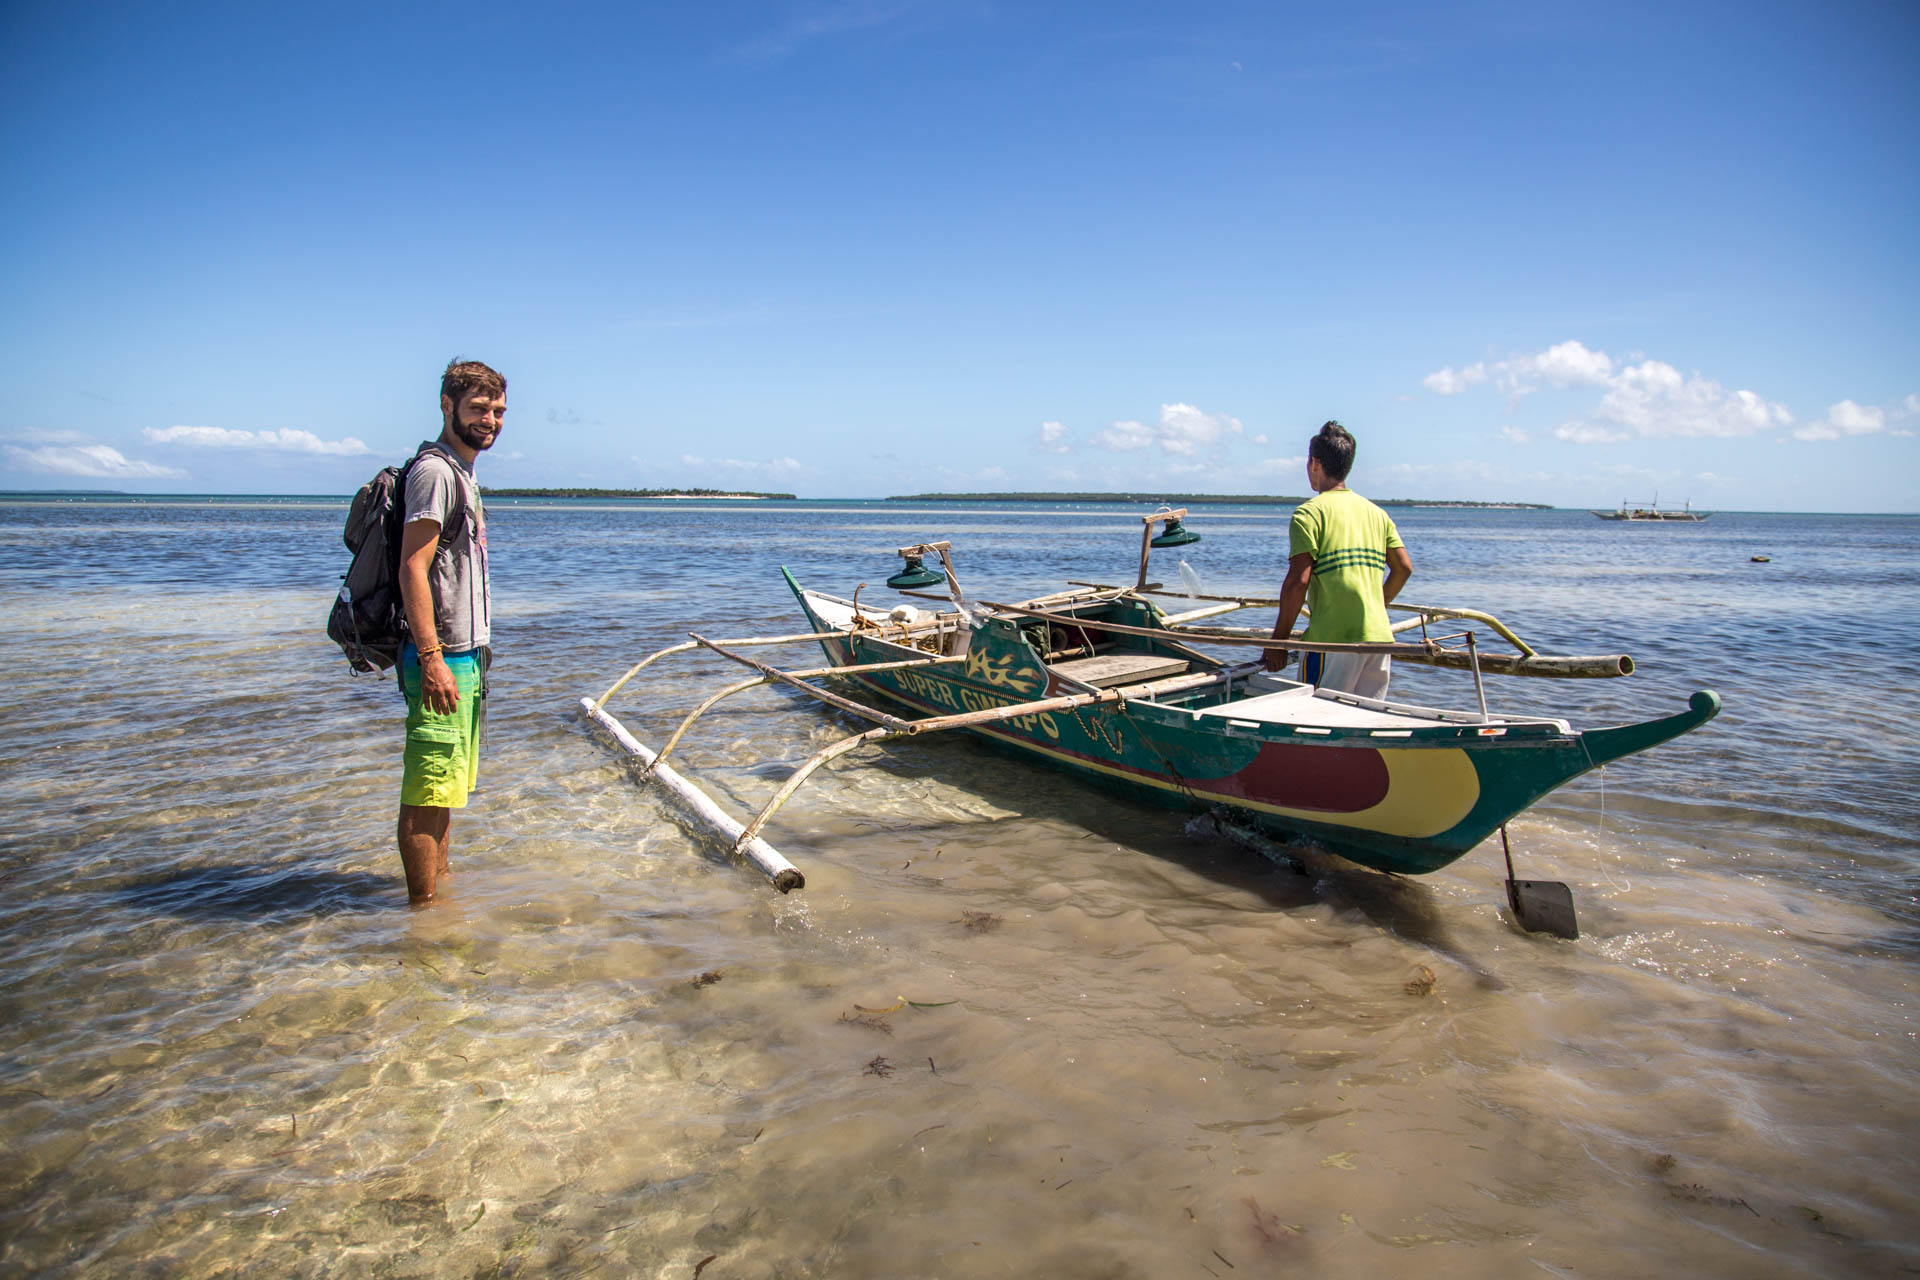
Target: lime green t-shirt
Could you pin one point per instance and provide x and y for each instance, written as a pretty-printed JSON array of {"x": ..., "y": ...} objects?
[{"x": 1348, "y": 538}]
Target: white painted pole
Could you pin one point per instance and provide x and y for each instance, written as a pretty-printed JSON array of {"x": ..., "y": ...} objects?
[{"x": 783, "y": 874}]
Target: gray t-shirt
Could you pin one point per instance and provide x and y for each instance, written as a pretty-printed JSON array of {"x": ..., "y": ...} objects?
[{"x": 439, "y": 488}]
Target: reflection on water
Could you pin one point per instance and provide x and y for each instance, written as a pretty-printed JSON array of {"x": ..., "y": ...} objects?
[{"x": 1011, "y": 1026}]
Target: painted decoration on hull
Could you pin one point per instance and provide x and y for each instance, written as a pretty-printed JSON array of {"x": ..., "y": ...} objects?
[
  {"x": 1005, "y": 671},
  {"x": 1312, "y": 779},
  {"x": 1405, "y": 793},
  {"x": 1415, "y": 794}
]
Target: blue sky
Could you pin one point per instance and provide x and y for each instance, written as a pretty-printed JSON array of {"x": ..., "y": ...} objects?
[{"x": 1525, "y": 251}]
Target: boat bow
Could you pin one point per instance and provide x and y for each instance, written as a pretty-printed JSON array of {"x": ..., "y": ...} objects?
[{"x": 1607, "y": 745}]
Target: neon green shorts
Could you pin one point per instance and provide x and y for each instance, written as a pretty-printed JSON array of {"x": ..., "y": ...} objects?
[{"x": 442, "y": 760}]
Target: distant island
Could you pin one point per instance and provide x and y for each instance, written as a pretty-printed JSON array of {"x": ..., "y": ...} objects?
[
  {"x": 486, "y": 492},
  {"x": 1252, "y": 499}
]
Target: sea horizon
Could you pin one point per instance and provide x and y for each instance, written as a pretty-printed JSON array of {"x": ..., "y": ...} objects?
[{"x": 681, "y": 501}]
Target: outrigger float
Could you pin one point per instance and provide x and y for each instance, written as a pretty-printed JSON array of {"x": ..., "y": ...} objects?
[{"x": 1102, "y": 682}]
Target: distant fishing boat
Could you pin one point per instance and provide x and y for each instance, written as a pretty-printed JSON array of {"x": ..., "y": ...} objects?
[
  {"x": 1650, "y": 511},
  {"x": 1099, "y": 681}
]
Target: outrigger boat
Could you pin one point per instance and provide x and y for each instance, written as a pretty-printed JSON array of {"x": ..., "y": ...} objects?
[
  {"x": 1099, "y": 680},
  {"x": 1651, "y": 512}
]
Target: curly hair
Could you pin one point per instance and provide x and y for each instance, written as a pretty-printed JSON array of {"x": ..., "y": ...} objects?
[{"x": 464, "y": 377}]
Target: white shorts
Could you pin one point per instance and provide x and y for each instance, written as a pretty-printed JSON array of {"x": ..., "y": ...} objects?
[{"x": 1362, "y": 674}]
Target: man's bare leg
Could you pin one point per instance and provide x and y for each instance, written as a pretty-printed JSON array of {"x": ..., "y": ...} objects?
[{"x": 424, "y": 832}]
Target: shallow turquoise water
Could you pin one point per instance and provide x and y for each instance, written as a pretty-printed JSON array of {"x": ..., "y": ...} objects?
[{"x": 225, "y": 1043}]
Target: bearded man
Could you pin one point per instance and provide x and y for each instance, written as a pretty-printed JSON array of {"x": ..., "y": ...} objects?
[{"x": 443, "y": 589}]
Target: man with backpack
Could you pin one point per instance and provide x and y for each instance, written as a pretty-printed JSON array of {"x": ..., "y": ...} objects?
[{"x": 443, "y": 591}]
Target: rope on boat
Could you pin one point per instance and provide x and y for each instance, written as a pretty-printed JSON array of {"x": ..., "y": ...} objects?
[
  {"x": 1425, "y": 648},
  {"x": 1424, "y": 611},
  {"x": 1527, "y": 662}
]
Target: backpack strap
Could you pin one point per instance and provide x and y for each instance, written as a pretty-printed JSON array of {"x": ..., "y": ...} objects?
[
  {"x": 397, "y": 523},
  {"x": 457, "y": 521}
]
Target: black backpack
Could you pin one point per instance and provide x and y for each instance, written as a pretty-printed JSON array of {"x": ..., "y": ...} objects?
[{"x": 368, "y": 621}]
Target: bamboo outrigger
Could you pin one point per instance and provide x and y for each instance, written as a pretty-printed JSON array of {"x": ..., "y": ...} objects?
[{"x": 1100, "y": 681}]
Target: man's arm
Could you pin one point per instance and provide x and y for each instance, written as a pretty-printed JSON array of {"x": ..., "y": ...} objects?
[
  {"x": 1293, "y": 597},
  {"x": 418, "y": 542},
  {"x": 1399, "y": 569}
]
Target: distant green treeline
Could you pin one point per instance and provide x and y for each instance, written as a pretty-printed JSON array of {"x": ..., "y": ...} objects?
[
  {"x": 1259, "y": 499},
  {"x": 625, "y": 493}
]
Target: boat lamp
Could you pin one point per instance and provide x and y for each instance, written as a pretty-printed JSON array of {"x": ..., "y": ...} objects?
[
  {"x": 1176, "y": 535},
  {"x": 915, "y": 574}
]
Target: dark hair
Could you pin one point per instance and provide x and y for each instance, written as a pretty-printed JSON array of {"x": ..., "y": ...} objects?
[
  {"x": 1333, "y": 450},
  {"x": 464, "y": 377}
]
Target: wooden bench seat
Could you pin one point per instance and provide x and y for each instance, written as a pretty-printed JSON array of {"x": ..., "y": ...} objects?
[{"x": 1105, "y": 670}]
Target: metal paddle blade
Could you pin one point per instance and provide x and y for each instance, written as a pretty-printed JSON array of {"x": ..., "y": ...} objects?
[{"x": 1543, "y": 906}]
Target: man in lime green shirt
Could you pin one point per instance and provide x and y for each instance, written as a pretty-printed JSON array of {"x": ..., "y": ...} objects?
[{"x": 1339, "y": 545}]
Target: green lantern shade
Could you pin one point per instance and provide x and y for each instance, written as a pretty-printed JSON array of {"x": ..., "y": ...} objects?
[
  {"x": 1176, "y": 536},
  {"x": 914, "y": 575}
]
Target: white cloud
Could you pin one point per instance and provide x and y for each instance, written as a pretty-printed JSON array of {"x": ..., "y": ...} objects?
[
  {"x": 1182, "y": 429},
  {"x": 283, "y": 440},
  {"x": 1448, "y": 383},
  {"x": 1124, "y": 437},
  {"x": 1906, "y": 410},
  {"x": 1845, "y": 419},
  {"x": 1053, "y": 438},
  {"x": 40, "y": 435},
  {"x": 1587, "y": 433},
  {"x": 740, "y": 464},
  {"x": 819, "y": 22},
  {"x": 1565, "y": 365},
  {"x": 92, "y": 461},
  {"x": 1653, "y": 399}
]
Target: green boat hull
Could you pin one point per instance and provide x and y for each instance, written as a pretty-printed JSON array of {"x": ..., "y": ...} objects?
[{"x": 1408, "y": 801}]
